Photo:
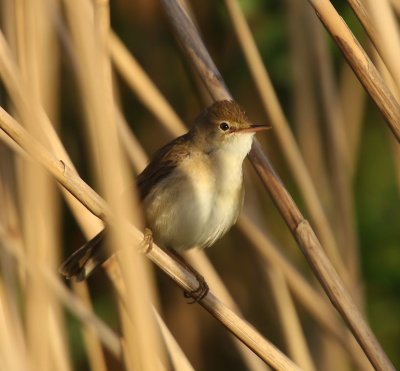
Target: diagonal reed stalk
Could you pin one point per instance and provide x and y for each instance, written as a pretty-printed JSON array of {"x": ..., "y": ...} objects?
[
  {"x": 74, "y": 304},
  {"x": 375, "y": 34},
  {"x": 304, "y": 293},
  {"x": 288, "y": 317},
  {"x": 131, "y": 76},
  {"x": 88, "y": 222},
  {"x": 303, "y": 233},
  {"x": 338, "y": 156},
  {"x": 311, "y": 302},
  {"x": 352, "y": 101},
  {"x": 305, "y": 107},
  {"x": 18, "y": 271},
  {"x": 360, "y": 63},
  {"x": 384, "y": 20},
  {"x": 39, "y": 211},
  {"x": 285, "y": 137},
  {"x": 142, "y": 349},
  {"x": 69, "y": 179}
]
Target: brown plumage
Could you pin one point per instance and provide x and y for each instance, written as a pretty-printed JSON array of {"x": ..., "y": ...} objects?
[{"x": 162, "y": 163}]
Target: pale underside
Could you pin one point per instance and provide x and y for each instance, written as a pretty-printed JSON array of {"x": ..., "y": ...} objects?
[{"x": 200, "y": 200}]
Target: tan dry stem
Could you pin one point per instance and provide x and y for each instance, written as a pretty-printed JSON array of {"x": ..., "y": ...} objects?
[
  {"x": 142, "y": 349},
  {"x": 360, "y": 63},
  {"x": 309, "y": 298},
  {"x": 75, "y": 305},
  {"x": 285, "y": 137},
  {"x": 311, "y": 248},
  {"x": 290, "y": 323},
  {"x": 390, "y": 55},
  {"x": 71, "y": 181}
]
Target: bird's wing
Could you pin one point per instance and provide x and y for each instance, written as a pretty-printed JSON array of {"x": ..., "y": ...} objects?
[{"x": 163, "y": 162}]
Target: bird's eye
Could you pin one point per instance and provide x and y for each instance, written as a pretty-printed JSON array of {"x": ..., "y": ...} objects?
[{"x": 224, "y": 126}]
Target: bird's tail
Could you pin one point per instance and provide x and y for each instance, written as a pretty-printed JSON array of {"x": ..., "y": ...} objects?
[{"x": 84, "y": 261}]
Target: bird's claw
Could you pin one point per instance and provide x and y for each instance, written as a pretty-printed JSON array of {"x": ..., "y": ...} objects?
[{"x": 200, "y": 292}]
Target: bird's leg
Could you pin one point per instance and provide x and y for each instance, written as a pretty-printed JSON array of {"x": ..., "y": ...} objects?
[
  {"x": 197, "y": 294},
  {"x": 200, "y": 292}
]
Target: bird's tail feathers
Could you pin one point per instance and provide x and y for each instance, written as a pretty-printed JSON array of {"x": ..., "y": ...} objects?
[{"x": 84, "y": 261}]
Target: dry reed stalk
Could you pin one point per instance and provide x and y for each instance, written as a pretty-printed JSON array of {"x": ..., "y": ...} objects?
[
  {"x": 94, "y": 350},
  {"x": 385, "y": 22},
  {"x": 286, "y": 314},
  {"x": 285, "y": 137},
  {"x": 142, "y": 291},
  {"x": 10, "y": 143},
  {"x": 323, "y": 269},
  {"x": 290, "y": 324},
  {"x": 396, "y": 6},
  {"x": 352, "y": 101},
  {"x": 386, "y": 25},
  {"x": 19, "y": 95},
  {"x": 68, "y": 178},
  {"x": 339, "y": 158},
  {"x": 175, "y": 353},
  {"x": 58, "y": 346},
  {"x": 71, "y": 301},
  {"x": 197, "y": 259},
  {"x": 310, "y": 137},
  {"x": 178, "y": 358},
  {"x": 153, "y": 107},
  {"x": 141, "y": 340},
  {"x": 200, "y": 261},
  {"x": 132, "y": 147},
  {"x": 310, "y": 299},
  {"x": 95, "y": 353},
  {"x": 360, "y": 63},
  {"x": 305, "y": 236},
  {"x": 90, "y": 224},
  {"x": 378, "y": 10},
  {"x": 143, "y": 87},
  {"x": 21, "y": 103},
  {"x": 14, "y": 355},
  {"x": 39, "y": 203},
  {"x": 305, "y": 111},
  {"x": 26, "y": 106},
  {"x": 12, "y": 346},
  {"x": 395, "y": 148},
  {"x": 177, "y": 129}
]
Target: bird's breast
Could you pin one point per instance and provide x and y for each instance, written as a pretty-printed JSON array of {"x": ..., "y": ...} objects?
[{"x": 197, "y": 203}]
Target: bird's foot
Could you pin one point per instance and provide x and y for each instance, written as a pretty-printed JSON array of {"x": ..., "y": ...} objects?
[{"x": 200, "y": 292}]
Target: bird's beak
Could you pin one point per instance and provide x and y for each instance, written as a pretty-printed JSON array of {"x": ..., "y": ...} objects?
[{"x": 254, "y": 128}]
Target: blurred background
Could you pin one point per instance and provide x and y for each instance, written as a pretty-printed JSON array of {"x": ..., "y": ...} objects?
[{"x": 349, "y": 151}]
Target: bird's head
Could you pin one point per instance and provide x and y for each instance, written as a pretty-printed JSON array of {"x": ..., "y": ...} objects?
[{"x": 225, "y": 125}]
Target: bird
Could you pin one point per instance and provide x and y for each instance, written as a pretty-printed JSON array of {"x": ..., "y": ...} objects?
[{"x": 192, "y": 190}]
